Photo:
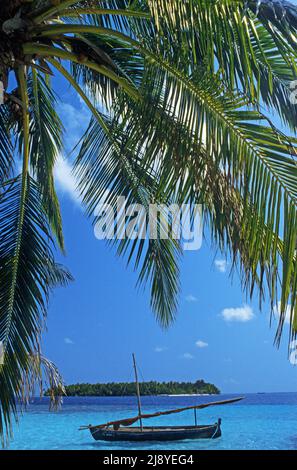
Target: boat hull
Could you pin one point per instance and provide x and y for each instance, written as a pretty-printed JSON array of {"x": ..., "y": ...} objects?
[{"x": 157, "y": 433}]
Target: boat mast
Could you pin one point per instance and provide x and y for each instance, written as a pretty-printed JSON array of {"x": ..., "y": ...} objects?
[{"x": 137, "y": 391}]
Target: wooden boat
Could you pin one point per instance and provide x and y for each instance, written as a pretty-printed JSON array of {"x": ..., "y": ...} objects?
[
  {"x": 122, "y": 430},
  {"x": 157, "y": 433}
]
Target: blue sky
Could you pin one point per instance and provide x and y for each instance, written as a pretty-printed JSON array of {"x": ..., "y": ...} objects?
[{"x": 99, "y": 320}]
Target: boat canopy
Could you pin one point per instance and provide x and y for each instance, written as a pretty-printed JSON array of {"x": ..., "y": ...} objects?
[{"x": 132, "y": 420}]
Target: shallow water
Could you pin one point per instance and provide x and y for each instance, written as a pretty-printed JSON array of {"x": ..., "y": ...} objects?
[{"x": 261, "y": 421}]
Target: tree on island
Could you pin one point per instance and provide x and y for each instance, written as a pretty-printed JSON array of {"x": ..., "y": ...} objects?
[
  {"x": 179, "y": 93},
  {"x": 147, "y": 388}
]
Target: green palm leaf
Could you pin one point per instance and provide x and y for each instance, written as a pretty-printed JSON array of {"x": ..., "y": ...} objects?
[
  {"x": 226, "y": 36},
  {"x": 45, "y": 145},
  {"x": 107, "y": 169},
  {"x": 277, "y": 15},
  {"x": 45, "y": 373},
  {"x": 27, "y": 271},
  {"x": 254, "y": 159},
  {"x": 5, "y": 146}
]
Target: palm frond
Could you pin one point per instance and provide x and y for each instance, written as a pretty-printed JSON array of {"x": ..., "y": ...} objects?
[
  {"x": 44, "y": 373},
  {"x": 121, "y": 16},
  {"x": 190, "y": 132},
  {"x": 226, "y": 36},
  {"x": 6, "y": 160},
  {"x": 126, "y": 61},
  {"x": 106, "y": 165},
  {"x": 116, "y": 14},
  {"x": 276, "y": 73},
  {"x": 45, "y": 145},
  {"x": 107, "y": 52},
  {"x": 278, "y": 16},
  {"x": 26, "y": 266}
]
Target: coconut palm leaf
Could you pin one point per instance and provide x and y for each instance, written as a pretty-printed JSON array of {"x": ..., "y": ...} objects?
[
  {"x": 279, "y": 14},
  {"x": 276, "y": 75},
  {"x": 259, "y": 159},
  {"x": 126, "y": 61},
  {"x": 266, "y": 71},
  {"x": 254, "y": 154},
  {"x": 241, "y": 46},
  {"x": 108, "y": 52},
  {"x": 45, "y": 373},
  {"x": 106, "y": 170},
  {"x": 26, "y": 266},
  {"x": 45, "y": 145},
  {"x": 121, "y": 16},
  {"x": 5, "y": 146},
  {"x": 265, "y": 178},
  {"x": 115, "y": 14}
]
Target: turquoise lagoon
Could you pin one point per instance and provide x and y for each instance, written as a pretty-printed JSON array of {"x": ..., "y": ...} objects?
[{"x": 261, "y": 421}]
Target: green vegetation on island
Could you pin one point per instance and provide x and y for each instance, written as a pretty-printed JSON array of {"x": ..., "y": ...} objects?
[{"x": 146, "y": 388}]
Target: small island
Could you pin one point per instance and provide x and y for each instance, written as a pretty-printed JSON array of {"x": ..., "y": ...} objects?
[{"x": 114, "y": 389}]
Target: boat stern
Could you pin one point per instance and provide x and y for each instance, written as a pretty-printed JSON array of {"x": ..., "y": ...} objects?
[{"x": 218, "y": 431}]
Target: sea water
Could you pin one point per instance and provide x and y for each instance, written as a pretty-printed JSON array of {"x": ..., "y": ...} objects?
[{"x": 260, "y": 421}]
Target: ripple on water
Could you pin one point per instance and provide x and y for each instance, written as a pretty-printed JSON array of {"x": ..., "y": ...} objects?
[{"x": 260, "y": 422}]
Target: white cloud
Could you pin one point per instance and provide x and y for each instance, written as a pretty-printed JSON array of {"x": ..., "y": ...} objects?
[
  {"x": 240, "y": 314},
  {"x": 67, "y": 184},
  {"x": 277, "y": 312},
  {"x": 75, "y": 120},
  {"x": 159, "y": 349},
  {"x": 191, "y": 298},
  {"x": 68, "y": 341},
  {"x": 187, "y": 356},
  {"x": 65, "y": 179},
  {"x": 201, "y": 344},
  {"x": 221, "y": 265}
]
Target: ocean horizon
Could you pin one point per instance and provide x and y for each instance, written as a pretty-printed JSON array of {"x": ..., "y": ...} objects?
[{"x": 262, "y": 421}]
